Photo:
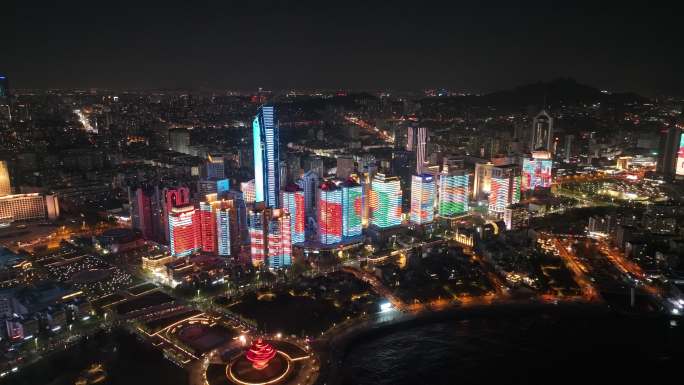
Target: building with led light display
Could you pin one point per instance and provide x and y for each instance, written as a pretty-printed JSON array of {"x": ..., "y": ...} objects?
[
  {"x": 279, "y": 240},
  {"x": 218, "y": 233},
  {"x": 309, "y": 184},
  {"x": 266, "y": 157},
  {"x": 536, "y": 173},
  {"x": 453, "y": 192},
  {"x": 352, "y": 206},
  {"x": 270, "y": 237},
  {"x": 679, "y": 168},
  {"x": 258, "y": 227},
  {"x": 329, "y": 213},
  {"x": 173, "y": 197},
  {"x": 208, "y": 226},
  {"x": 248, "y": 193},
  {"x": 385, "y": 201},
  {"x": 422, "y": 199},
  {"x": 184, "y": 231},
  {"x": 293, "y": 203},
  {"x": 223, "y": 230},
  {"x": 505, "y": 189}
]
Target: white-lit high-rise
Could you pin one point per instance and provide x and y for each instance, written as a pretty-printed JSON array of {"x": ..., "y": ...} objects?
[
  {"x": 542, "y": 132},
  {"x": 421, "y": 144}
]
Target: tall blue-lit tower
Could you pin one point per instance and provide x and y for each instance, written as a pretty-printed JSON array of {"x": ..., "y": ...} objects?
[
  {"x": 4, "y": 86},
  {"x": 266, "y": 157}
]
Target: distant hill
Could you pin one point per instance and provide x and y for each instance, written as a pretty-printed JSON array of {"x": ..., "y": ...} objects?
[{"x": 559, "y": 91}]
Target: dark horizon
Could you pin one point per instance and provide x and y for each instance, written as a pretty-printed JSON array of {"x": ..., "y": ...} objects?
[{"x": 310, "y": 45}]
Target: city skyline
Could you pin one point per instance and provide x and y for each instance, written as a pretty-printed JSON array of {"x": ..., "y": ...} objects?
[{"x": 309, "y": 193}]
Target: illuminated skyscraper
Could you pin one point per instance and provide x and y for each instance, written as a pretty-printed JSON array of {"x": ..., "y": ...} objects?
[
  {"x": 4, "y": 87},
  {"x": 208, "y": 225},
  {"x": 453, "y": 192},
  {"x": 173, "y": 197},
  {"x": 309, "y": 184},
  {"x": 385, "y": 201},
  {"x": 147, "y": 212},
  {"x": 215, "y": 168},
  {"x": 5, "y": 185},
  {"x": 352, "y": 206},
  {"x": 506, "y": 183},
  {"x": 421, "y": 144},
  {"x": 293, "y": 203},
  {"x": 269, "y": 231},
  {"x": 220, "y": 224},
  {"x": 483, "y": 180},
  {"x": 179, "y": 140},
  {"x": 329, "y": 213},
  {"x": 671, "y": 152},
  {"x": 224, "y": 231},
  {"x": 266, "y": 157},
  {"x": 184, "y": 231},
  {"x": 542, "y": 132},
  {"x": 258, "y": 238},
  {"x": 279, "y": 240},
  {"x": 536, "y": 171},
  {"x": 248, "y": 193},
  {"x": 410, "y": 137},
  {"x": 212, "y": 186},
  {"x": 422, "y": 198}
]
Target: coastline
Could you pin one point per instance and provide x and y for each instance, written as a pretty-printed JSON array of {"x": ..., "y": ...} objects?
[{"x": 333, "y": 349}]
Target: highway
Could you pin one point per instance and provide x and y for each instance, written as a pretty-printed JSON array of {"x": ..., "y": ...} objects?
[
  {"x": 578, "y": 269},
  {"x": 369, "y": 128}
]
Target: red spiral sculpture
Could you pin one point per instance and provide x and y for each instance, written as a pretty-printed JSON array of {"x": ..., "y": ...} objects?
[{"x": 260, "y": 353}]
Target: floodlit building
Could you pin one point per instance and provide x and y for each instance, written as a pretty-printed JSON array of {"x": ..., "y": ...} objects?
[
  {"x": 483, "y": 180},
  {"x": 516, "y": 217},
  {"x": 23, "y": 207}
]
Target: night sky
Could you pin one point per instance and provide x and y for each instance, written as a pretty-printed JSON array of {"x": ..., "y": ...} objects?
[{"x": 317, "y": 44}]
